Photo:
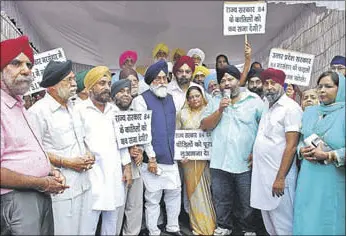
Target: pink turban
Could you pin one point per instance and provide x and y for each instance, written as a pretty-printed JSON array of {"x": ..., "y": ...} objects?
[{"x": 125, "y": 55}]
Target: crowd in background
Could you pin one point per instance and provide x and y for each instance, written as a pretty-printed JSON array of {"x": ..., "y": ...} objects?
[{"x": 277, "y": 162}]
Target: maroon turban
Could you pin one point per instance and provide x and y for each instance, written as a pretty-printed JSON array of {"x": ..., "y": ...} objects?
[
  {"x": 184, "y": 60},
  {"x": 11, "y": 48},
  {"x": 276, "y": 75},
  {"x": 125, "y": 55}
]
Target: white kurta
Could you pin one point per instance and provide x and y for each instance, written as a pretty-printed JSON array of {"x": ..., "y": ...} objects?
[
  {"x": 106, "y": 175},
  {"x": 284, "y": 116},
  {"x": 169, "y": 179},
  {"x": 62, "y": 134}
]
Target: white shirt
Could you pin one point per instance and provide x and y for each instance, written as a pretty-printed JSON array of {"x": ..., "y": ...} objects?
[
  {"x": 284, "y": 116},
  {"x": 178, "y": 95},
  {"x": 170, "y": 178},
  {"x": 106, "y": 175},
  {"x": 62, "y": 134},
  {"x": 134, "y": 169}
]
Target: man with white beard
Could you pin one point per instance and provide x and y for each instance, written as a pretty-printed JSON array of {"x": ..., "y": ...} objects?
[
  {"x": 159, "y": 171},
  {"x": 274, "y": 170},
  {"x": 62, "y": 136}
]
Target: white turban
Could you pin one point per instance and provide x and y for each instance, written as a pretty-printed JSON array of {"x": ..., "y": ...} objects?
[{"x": 197, "y": 51}]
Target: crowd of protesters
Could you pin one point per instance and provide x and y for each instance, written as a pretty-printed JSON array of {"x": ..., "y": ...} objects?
[{"x": 62, "y": 168}]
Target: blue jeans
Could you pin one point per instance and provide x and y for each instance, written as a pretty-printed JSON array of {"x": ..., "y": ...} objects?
[{"x": 231, "y": 199}]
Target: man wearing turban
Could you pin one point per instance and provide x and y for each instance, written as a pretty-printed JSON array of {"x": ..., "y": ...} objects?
[
  {"x": 176, "y": 54},
  {"x": 211, "y": 85},
  {"x": 62, "y": 138},
  {"x": 160, "y": 171},
  {"x": 200, "y": 74},
  {"x": 274, "y": 167},
  {"x": 160, "y": 52},
  {"x": 198, "y": 56},
  {"x": 183, "y": 71},
  {"x": 82, "y": 93},
  {"x": 97, "y": 115},
  {"x": 24, "y": 164},
  {"x": 254, "y": 82},
  {"x": 338, "y": 64},
  {"x": 127, "y": 61},
  {"x": 233, "y": 120},
  {"x": 133, "y": 208}
]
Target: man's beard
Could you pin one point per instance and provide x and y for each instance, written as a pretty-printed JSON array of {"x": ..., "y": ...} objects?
[
  {"x": 123, "y": 105},
  {"x": 272, "y": 97},
  {"x": 64, "y": 93},
  {"x": 159, "y": 90},
  {"x": 257, "y": 90},
  {"x": 234, "y": 92},
  {"x": 18, "y": 86},
  {"x": 102, "y": 97},
  {"x": 182, "y": 81}
]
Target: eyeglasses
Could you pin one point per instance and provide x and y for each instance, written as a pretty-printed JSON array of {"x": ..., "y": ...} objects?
[
  {"x": 18, "y": 63},
  {"x": 184, "y": 71},
  {"x": 69, "y": 79},
  {"x": 337, "y": 67}
]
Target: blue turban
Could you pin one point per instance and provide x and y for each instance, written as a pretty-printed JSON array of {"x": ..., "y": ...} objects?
[
  {"x": 208, "y": 79},
  {"x": 118, "y": 85},
  {"x": 153, "y": 71},
  {"x": 338, "y": 60},
  {"x": 231, "y": 70}
]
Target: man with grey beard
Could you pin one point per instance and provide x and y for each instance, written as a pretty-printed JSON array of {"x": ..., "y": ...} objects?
[
  {"x": 233, "y": 120},
  {"x": 62, "y": 135},
  {"x": 159, "y": 171},
  {"x": 27, "y": 178},
  {"x": 274, "y": 170}
]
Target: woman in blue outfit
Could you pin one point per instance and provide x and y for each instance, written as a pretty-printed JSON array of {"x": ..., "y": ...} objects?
[{"x": 319, "y": 207}]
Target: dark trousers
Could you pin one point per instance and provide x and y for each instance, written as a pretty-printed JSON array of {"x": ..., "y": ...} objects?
[
  {"x": 231, "y": 199},
  {"x": 26, "y": 213}
]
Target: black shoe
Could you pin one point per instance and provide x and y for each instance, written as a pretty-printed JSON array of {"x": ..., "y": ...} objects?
[{"x": 177, "y": 233}]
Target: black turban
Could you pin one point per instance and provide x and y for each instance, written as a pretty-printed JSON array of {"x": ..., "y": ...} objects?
[
  {"x": 231, "y": 70},
  {"x": 153, "y": 71},
  {"x": 54, "y": 72},
  {"x": 118, "y": 85},
  {"x": 254, "y": 73}
]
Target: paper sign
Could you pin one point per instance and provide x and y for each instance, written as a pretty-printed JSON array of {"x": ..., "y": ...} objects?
[
  {"x": 41, "y": 61},
  {"x": 244, "y": 18},
  {"x": 132, "y": 128},
  {"x": 193, "y": 144},
  {"x": 296, "y": 65}
]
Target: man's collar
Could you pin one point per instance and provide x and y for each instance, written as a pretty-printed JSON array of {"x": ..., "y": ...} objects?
[
  {"x": 52, "y": 103},
  {"x": 90, "y": 104},
  {"x": 9, "y": 100}
]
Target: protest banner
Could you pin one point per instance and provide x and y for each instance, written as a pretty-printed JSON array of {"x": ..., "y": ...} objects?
[
  {"x": 41, "y": 61},
  {"x": 244, "y": 18},
  {"x": 296, "y": 65},
  {"x": 193, "y": 144},
  {"x": 132, "y": 128}
]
